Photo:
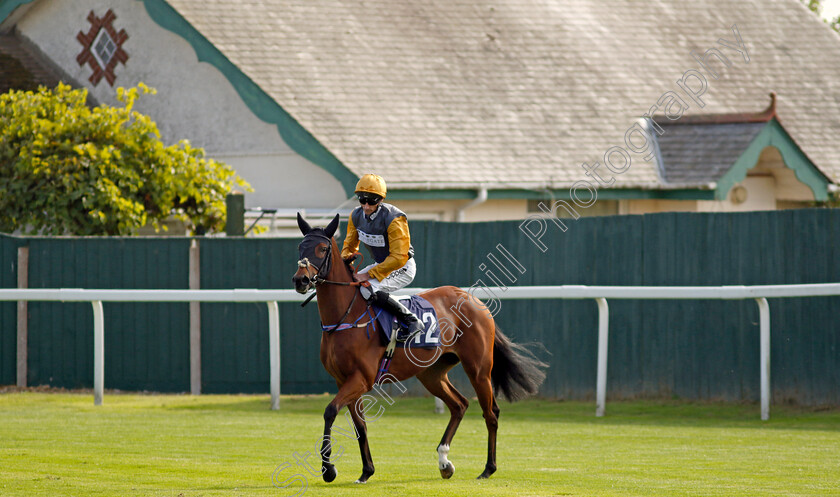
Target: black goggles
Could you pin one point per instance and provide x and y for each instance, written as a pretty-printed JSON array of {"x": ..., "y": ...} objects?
[{"x": 365, "y": 198}]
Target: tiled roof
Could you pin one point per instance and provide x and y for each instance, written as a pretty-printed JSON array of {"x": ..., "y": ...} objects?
[
  {"x": 699, "y": 154},
  {"x": 700, "y": 149},
  {"x": 519, "y": 92},
  {"x": 21, "y": 68}
]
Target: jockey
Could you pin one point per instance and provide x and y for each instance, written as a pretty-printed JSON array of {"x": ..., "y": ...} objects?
[{"x": 384, "y": 230}]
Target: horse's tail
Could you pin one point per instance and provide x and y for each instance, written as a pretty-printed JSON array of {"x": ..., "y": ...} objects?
[{"x": 517, "y": 372}]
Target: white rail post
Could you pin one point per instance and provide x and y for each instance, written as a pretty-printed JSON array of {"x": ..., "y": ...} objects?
[
  {"x": 603, "y": 346},
  {"x": 195, "y": 319},
  {"x": 764, "y": 331},
  {"x": 98, "y": 352},
  {"x": 274, "y": 353},
  {"x": 22, "y": 318}
]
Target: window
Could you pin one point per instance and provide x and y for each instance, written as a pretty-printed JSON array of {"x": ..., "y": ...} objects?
[{"x": 104, "y": 48}]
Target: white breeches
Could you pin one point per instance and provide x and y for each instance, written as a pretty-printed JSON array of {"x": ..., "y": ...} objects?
[{"x": 399, "y": 278}]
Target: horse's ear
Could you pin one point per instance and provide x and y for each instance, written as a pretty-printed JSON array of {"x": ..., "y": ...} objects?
[
  {"x": 303, "y": 225},
  {"x": 330, "y": 229}
]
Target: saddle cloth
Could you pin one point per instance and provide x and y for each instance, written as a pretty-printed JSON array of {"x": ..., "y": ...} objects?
[{"x": 424, "y": 312}]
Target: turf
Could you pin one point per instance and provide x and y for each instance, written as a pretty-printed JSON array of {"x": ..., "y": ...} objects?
[{"x": 178, "y": 445}]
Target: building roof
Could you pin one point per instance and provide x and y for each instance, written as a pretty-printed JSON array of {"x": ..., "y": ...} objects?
[
  {"x": 700, "y": 154},
  {"x": 715, "y": 151},
  {"x": 511, "y": 93},
  {"x": 459, "y": 93},
  {"x": 698, "y": 150},
  {"x": 22, "y": 67}
]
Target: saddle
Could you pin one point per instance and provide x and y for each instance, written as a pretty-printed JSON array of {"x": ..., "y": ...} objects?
[{"x": 425, "y": 312}]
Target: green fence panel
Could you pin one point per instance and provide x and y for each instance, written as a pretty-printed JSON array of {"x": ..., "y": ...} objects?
[
  {"x": 562, "y": 332},
  {"x": 146, "y": 345},
  {"x": 710, "y": 349},
  {"x": 234, "y": 337},
  {"x": 805, "y": 353},
  {"x": 8, "y": 311},
  {"x": 691, "y": 349}
]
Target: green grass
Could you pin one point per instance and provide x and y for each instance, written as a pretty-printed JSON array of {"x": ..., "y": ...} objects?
[{"x": 172, "y": 445}]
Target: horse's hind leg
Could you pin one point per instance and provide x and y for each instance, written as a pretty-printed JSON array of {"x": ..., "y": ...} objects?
[
  {"x": 437, "y": 383},
  {"x": 490, "y": 409}
]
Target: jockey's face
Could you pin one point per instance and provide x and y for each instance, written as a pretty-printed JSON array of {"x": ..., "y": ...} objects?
[
  {"x": 369, "y": 209},
  {"x": 369, "y": 202}
]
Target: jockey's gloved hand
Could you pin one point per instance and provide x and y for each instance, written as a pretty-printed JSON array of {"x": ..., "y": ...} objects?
[{"x": 349, "y": 259}]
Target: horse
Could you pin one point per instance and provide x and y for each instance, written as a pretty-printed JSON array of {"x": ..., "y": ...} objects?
[{"x": 351, "y": 355}]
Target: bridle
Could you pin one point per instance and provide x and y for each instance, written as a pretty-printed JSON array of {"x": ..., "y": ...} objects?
[
  {"x": 322, "y": 271},
  {"x": 321, "y": 278}
]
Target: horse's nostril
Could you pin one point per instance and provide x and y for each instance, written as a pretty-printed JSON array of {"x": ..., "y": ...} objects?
[{"x": 305, "y": 280}]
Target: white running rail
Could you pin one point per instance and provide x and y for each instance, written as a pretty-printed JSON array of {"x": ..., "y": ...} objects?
[
  {"x": 96, "y": 297},
  {"x": 760, "y": 293}
]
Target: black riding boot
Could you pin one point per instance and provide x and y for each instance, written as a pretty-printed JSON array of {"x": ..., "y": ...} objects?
[{"x": 406, "y": 317}]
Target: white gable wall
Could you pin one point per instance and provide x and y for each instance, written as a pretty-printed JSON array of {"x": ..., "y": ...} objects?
[{"x": 194, "y": 101}]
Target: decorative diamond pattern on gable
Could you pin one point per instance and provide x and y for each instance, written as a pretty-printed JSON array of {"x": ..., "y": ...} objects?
[{"x": 102, "y": 47}]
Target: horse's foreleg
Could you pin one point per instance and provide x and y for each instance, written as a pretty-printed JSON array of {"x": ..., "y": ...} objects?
[
  {"x": 352, "y": 389},
  {"x": 361, "y": 432},
  {"x": 327, "y": 469}
]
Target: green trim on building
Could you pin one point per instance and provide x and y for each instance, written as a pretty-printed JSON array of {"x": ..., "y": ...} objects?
[
  {"x": 259, "y": 102},
  {"x": 678, "y": 194},
  {"x": 516, "y": 194},
  {"x": 456, "y": 194},
  {"x": 9, "y": 6},
  {"x": 774, "y": 135}
]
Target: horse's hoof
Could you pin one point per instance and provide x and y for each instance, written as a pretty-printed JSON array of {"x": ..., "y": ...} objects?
[
  {"x": 329, "y": 473},
  {"x": 366, "y": 474},
  {"x": 487, "y": 472},
  {"x": 447, "y": 472}
]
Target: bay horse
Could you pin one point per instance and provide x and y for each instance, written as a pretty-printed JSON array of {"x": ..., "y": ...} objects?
[{"x": 352, "y": 355}]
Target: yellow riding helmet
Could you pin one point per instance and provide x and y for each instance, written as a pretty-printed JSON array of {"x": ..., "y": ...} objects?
[{"x": 372, "y": 183}]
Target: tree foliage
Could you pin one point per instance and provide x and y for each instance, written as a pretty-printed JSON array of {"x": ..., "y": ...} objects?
[
  {"x": 815, "y": 6},
  {"x": 66, "y": 168}
]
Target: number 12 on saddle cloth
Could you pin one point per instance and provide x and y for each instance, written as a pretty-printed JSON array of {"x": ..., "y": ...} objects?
[{"x": 427, "y": 315}]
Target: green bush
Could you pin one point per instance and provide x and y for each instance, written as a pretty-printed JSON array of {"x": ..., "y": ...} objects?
[{"x": 66, "y": 168}]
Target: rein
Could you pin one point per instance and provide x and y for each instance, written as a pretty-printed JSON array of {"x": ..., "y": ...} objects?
[{"x": 341, "y": 325}]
